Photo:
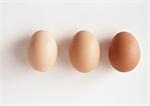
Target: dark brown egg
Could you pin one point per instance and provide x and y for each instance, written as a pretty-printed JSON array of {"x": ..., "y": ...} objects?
[{"x": 124, "y": 52}]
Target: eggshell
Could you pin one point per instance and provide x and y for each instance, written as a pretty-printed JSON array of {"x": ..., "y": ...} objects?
[
  {"x": 124, "y": 52},
  {"x": 84, "y": 51},
  {"x": 42, "y": 50}
]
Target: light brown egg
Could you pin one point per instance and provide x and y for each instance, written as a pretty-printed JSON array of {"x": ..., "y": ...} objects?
[
  {"x": 124, "y": 52},
  {"x": 42, "y": 50},
  {"x": 84, "y": 51}
]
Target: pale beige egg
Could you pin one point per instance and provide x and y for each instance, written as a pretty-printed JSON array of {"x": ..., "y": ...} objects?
[
  {"x": 42, "y": 50},
  {"x": 84, "y": 51}
]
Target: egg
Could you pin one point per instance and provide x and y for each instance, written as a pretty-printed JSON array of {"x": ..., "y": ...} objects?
[
  {"x": 124, "y": 52},
  {"x": 42, "y": 50},
  {"x": 84, "y": 51}
]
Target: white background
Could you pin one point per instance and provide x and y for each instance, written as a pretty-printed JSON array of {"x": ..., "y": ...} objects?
[{"x": 20, "y": 84}]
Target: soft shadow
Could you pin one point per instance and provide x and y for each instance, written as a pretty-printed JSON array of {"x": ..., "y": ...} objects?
[
  {"x": 104, "y": 64},
  {"x": 15, "y": 57},
  {"x": 63, "y": 57},
  {"x": 20, "y": 50},
  {"x": 104, "y": 59}
]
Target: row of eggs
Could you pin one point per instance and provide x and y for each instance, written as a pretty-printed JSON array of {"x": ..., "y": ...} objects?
[{"x": 84, "y": 51}]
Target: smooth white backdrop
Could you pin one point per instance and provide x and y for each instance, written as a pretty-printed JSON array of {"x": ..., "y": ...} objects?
[{"x": 20, "y": 84}]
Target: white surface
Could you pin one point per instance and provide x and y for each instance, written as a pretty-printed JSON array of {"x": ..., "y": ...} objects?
[{"x": 20, "y": 84}]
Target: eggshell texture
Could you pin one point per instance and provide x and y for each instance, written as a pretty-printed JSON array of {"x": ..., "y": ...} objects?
[
  {"x": 42, "y": 50},
  {"x": 124, "y": 52},
  {"x": 84, "y": 51}
]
